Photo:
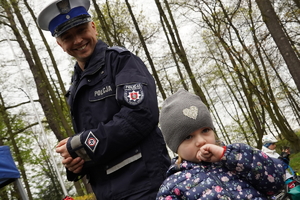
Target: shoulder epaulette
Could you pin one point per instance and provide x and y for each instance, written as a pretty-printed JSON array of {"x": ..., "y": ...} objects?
[{"x": 118, "y": 49}]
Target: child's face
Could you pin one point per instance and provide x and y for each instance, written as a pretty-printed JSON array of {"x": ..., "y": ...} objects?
[{"x": 190, "y": 146}]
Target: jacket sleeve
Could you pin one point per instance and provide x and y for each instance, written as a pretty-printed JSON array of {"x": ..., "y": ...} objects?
[
  {"x": 166, "y": 193},
  {"x": 262, "y": 172},
  {"x": 136, "y": 119}
]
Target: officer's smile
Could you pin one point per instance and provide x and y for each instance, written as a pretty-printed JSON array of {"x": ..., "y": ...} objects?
[{"x": 81, "y": 48}]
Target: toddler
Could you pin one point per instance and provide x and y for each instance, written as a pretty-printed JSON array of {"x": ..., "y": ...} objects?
[{"x": 205, "y": 170}]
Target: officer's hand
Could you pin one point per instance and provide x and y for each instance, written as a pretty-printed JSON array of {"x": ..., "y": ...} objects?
[
  {"x": 74, "y": 165},
  {"x": 62, "y": 148}
]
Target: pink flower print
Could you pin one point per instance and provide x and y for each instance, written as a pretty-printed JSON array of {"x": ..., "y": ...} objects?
[
  {"x": 225, "y": 179},
  {"x": 240, "y": 167},
  {"x": 177, "y": 191},
  {"x": 257, "y": 176},
  {"x": 239, "y": 156},
  {"x": 271, "y": 178},
  {"x": 264, "y": 154},
  {"x": 188, "y": 175},
  {"x": 184, "y": 164},
  {"x": 168, "y": 198},
  {"x": 218, "y": 189},
  {"x": 207, "y": 191},
  {"x": 239, "y": 188},
  {"x": 259, "y": 164}
]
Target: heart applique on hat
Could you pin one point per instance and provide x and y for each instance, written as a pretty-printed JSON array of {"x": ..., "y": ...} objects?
[{"x": 191, "y": 112}]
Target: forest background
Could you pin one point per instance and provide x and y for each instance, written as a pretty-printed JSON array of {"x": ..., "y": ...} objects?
[{"x": 240, "y": 57}]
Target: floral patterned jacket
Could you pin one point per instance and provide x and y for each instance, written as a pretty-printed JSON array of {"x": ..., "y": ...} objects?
[{"x": 243, "y": 173}]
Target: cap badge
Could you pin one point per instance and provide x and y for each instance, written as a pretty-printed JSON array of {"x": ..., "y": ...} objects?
[
  {"x": 191, "y": 112},
  {"x": 67, "y": 16},
  {"x": 63, "y": 6}
]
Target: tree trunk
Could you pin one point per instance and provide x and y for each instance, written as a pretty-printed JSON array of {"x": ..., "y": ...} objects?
[
  {"x": 179, "y": 49},
  {"x": 103, "y": 23},
  {"x": 273, "y": 24},
  {"x": 154, "y": 72},
  {"x": 48, "y": 99}
]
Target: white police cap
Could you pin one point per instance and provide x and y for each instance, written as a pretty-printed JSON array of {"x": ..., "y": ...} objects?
[{"x": 61, "y": 15}]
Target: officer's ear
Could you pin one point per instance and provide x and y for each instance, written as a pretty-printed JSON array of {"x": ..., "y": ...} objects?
[
  {"x": 94, "y": 27},
  {"x": 58, "y": 42}
]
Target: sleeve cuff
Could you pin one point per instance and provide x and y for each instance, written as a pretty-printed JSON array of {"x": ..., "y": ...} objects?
[
  {"x": 74, "y": 144},
  {"x": 224, "y": 149},
  {"x": 76, "y": 148}
]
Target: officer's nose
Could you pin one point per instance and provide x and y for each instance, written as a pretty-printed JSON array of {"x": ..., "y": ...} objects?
[{"x": 77, "y": 39}]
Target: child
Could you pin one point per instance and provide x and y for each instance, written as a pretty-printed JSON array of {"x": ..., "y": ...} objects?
[
  {"x": 204, "y": 170},
  {"x": 269, "y": 148}
]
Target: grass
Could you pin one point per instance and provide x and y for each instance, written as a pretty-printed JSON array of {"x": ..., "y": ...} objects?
[
  {"x": 295, "y": 162},
  {"x": 86, "y": 197}
]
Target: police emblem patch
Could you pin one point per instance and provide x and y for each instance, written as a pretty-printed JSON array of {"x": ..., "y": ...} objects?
[
  {"x": 133, "y": 93},
  {"x": 91, "y": 141},
  {"x": 63, "y": 6}
]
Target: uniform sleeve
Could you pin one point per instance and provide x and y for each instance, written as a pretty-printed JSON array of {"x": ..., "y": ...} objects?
[
  {"x": 136, "y": 119},
  {"x": 262, "y": 172}
]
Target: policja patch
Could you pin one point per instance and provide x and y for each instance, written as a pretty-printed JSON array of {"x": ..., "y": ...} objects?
[{"x": 133, "y": 93}]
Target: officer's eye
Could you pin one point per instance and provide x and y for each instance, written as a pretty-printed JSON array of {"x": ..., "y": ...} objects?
[{"x": 65, "y": 38}]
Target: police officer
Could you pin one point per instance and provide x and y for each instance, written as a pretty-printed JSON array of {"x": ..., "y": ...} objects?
[{"x": 113, "y": 102}]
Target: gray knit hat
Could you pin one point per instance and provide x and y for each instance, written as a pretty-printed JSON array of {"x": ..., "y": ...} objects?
[{"x": 181, "y": 114}]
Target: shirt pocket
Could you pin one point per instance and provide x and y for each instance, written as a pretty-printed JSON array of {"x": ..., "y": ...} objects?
[
  {"x": 102, "y": 91},
  {"x": 100, "y": 87}
]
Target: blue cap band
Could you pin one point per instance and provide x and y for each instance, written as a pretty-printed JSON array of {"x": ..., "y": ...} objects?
[
  {"x": 267, "y": 144},
  {"x": 59, "y": 20}
]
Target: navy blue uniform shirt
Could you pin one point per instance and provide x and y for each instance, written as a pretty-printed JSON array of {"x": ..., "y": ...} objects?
[{"x": 115, "y": 115}]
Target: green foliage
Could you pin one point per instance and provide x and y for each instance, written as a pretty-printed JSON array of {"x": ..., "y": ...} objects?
[
  {"x": 120, "y": 27},
  {"x": 295, "y": 162},
  {"x": 294, "y": 157},
  {"x": 285, "y": 143}
]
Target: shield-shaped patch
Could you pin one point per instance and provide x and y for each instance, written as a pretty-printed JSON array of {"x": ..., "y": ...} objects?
[{"x": 133, "y": 93}]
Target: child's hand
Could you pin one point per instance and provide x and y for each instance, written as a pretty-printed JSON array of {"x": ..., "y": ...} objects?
[{"x": 210, "y": 153}]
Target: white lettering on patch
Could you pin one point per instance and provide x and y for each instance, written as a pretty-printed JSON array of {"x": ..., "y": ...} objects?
[{"x": 102, "y": 91}]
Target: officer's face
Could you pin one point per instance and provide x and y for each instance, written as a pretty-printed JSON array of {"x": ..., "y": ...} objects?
[{"x": 79, "y": 41}]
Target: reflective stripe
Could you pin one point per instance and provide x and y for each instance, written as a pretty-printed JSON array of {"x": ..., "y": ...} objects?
[
  {"x": 75, "y": 142},
  {"x": 124, "y": 163},
  {"x": 78, "y": 147}
]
